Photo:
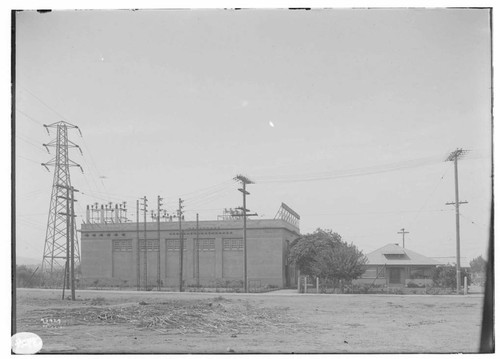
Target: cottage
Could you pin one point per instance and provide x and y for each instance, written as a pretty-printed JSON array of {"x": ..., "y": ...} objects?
[{"x": 395, "y": 266}]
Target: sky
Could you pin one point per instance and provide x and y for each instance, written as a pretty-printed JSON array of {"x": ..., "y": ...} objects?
[{"x": 345, "y": 115}]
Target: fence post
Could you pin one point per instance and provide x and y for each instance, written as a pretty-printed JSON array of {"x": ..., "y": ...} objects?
[
  {"x": 298, "y": 283},
  {"x": 305, "y": 284},
  {"x": 317, "y": 285},
  {"x": 465, "y": 285}
]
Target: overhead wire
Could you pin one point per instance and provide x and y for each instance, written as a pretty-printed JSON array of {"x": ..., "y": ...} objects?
[
  {"x": 91, "y": 167},
  {"x": 28, "y": 116},
  {"x": 42, "y": 102},
  {"x": 30, "y": 142},
  {"x": 362, "y": 171},
  {"x": 373, "y": 212},
  {"x": 439, "y": 182},
  {"x": 28, "y": 159},
  {"x": 205, "y": 191}
]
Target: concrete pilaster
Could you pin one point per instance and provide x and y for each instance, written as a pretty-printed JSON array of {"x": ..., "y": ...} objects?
[
  {"x": 218, "y": 258},
  {"x": 188, "y": 261}
]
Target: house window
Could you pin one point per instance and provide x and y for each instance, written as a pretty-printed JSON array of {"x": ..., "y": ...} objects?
[
  {"x": 374, "y": 272},
  {"x": 420, "y": 273},
  {"x": 395, "y": 256},
  {"x": 370, "y": 273}
]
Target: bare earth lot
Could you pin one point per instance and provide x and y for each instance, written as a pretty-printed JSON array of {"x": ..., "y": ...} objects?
[{"x": 277, "y": 322}]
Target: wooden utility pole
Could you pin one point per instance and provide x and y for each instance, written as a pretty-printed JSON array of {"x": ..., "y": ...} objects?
[
  {"x": 158, "y": 279},
  {"x": 454, "y": 156},
  {"x": 181, "y": 244},
  {"x": 68, "y": 237},
  {"x": 197, "y": 251},
  {"x": 403, "y": 233},
  {"x": 244, "y": 181},
  {"x": 138, "y": 264},
  {"x": 73, "y": 243},
  {"x": 145, "y": 205},
  {"x": 69, "y": 267}
]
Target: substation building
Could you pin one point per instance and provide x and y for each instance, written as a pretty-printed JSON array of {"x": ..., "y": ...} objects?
[{"x": 120, "y": 250}]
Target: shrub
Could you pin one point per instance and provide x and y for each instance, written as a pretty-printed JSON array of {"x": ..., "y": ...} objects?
[
  {"x": 445, "y": 276},
  {"x": 413, "y": 285}
]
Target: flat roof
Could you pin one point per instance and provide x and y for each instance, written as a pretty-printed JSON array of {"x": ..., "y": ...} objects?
[{"x": 191, "y": 225}]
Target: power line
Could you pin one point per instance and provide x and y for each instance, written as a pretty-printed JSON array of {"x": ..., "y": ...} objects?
[
  {"x": 30, "y": 142},
  {"x": 374, "y": 212},
  {"x": 362, "y": 171},
  {"x": 188, "y": 194},
  {"x": 28, "y": 159},
  {"x": 440, "y": 181},
  {"x": 43, "y": 103},
  {"x": 28, "y": 116}
]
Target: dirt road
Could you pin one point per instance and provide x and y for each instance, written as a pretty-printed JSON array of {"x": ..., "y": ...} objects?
[{"x": 281, "y": 322}]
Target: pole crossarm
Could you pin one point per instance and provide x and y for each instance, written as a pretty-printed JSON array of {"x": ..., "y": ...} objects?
[
  {"x": 62, "y": 123},
  {"x": 53, "y": 143},
  {"x": 243, "y": 179},
  {"x": 458, "y": 153},
  {"x": 454, "y": 203},
  {"x": 403, "y": 232},
  {"x": 54, "y": 162}
]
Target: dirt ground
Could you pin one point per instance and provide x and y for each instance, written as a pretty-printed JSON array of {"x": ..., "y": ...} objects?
[{"x": 277, "y": 322}]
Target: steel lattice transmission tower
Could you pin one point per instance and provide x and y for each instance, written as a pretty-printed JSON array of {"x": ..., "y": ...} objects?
[{"x": 56, "y": 249}]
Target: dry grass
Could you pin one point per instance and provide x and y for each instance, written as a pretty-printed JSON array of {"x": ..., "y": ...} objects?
[
  {"x": 129, "y": 322},
  {"x": 208, "y": 316}
]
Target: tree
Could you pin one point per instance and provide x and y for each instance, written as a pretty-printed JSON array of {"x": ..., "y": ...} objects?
[
  {"x": 324, "y": 254},
  {"x": 478, "y": 265},
  {"x": 478, "y": 269}
]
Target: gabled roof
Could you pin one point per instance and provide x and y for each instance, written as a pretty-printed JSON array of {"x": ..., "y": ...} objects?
[{"x": 393, "y": 254}]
